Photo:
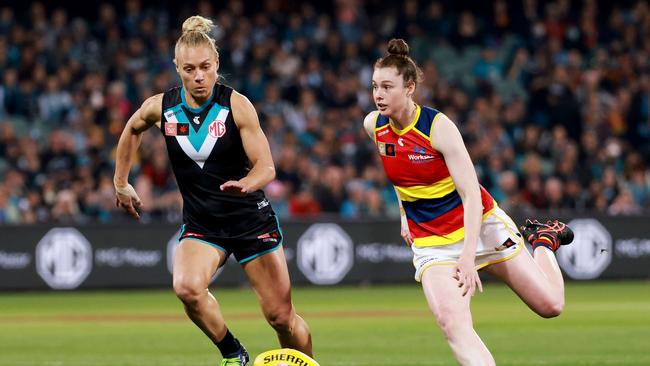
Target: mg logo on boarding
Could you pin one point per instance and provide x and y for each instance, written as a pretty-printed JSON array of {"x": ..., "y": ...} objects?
[
  {"x": 63, "y": 258},
  {"x": 590, "y": 253},
  {"x": 325, "y": 254}
]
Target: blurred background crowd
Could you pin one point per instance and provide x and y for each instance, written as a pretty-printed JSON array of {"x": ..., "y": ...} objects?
[{"x": 552, "y": 98}]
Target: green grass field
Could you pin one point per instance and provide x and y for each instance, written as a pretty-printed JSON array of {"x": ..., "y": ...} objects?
[{"x": 603, "y": 324}]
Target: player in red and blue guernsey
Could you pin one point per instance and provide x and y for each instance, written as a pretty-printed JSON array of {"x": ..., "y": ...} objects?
[{"x": 452, "y": 224}]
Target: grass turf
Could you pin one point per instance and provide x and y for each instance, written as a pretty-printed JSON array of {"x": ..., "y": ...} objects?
[{"x": 604, "y": 323}]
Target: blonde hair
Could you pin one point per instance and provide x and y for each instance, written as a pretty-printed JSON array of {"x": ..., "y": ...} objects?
[{"x": 196, "y": 32}]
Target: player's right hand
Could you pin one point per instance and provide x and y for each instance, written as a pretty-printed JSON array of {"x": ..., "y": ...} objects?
[
  {"x": 405, "y": 232},
  {"x": 127, "y": 199}
]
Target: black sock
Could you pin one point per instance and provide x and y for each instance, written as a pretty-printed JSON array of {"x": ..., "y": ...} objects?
[{"x": 229, "y": 345}]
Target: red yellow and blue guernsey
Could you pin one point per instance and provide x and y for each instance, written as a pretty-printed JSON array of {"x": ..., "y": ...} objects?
[{"x": 419, "y": 173}]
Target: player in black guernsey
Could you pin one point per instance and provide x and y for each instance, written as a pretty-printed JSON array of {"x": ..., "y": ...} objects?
[{"x": 221, "y": 160}]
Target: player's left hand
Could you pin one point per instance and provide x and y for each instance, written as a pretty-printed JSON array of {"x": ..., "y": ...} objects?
[
  {"x": 467, "y": 276},
  {"x": 234, "y": 187}
]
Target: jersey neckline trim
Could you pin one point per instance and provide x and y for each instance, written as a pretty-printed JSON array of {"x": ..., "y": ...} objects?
[
  {"x": 201, "y": 107},
  {"x": 406, "y": 129}
]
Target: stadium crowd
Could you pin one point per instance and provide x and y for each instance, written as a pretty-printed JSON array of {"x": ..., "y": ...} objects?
[{"x": 552, "y": 98}]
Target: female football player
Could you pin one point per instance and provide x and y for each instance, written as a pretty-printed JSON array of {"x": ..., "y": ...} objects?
[{"x": 452, "y": 224}]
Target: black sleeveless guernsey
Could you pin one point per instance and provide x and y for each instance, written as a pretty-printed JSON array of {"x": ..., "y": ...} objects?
[{"x": 205, "y": 150}]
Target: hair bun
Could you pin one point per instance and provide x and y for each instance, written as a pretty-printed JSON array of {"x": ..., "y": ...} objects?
[
  {"x": 398, "y": 47},
  {"x": 197, "y": 23}
]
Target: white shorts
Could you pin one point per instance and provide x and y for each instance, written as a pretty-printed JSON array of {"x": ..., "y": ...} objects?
[{"x": 499, "y": 240}]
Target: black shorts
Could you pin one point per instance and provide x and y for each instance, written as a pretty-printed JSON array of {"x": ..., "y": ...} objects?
[{"x": 244, "y": 249}]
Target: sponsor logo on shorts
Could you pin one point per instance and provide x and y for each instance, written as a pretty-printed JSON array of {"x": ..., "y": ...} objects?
[
  {"x": 269, "y": 237},
  {"x": 188, "y": 234},
  {"x": 427, "y": 260},
  {"x": 506, "y": 244},
  {"x": 173, "y": 244},
  {"x": 263, "y": 203}
]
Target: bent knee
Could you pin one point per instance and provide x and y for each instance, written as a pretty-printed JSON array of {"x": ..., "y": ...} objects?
[
  {"x": 189, "y": 290},
  {"x": 453, "y": 324},
  {"x": 281, "y": 320}
]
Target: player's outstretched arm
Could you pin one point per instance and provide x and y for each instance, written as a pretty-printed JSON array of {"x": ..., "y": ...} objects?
[
  {"x": 256, "y": 147},
  {"x": 146, "y": 116}
]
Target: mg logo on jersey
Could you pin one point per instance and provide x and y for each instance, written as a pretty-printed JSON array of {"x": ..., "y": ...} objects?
[
  {"x": 64, "y": 258},
  {"x": 198, "y": 144},
  {"x": 217, "y": 129},
  {"x": 325, "y": 254},
  {"x": 589, "y": 254}
]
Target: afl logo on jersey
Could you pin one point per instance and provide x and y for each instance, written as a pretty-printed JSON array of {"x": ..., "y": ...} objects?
[{"x": 217, "y": 129}]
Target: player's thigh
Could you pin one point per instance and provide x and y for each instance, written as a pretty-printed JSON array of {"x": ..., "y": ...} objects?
[
  {"x": 269, "y": 277},
  {"x": 196, "y": 261},
  {"x": 444, "y": 296},
  {"x": 524, "y": 277}
]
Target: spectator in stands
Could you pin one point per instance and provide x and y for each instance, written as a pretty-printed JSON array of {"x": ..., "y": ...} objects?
[{"x": 552, "y": 77}]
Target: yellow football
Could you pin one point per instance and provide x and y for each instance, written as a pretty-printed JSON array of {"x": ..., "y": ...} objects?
[{"x": 284, "y": 357}]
